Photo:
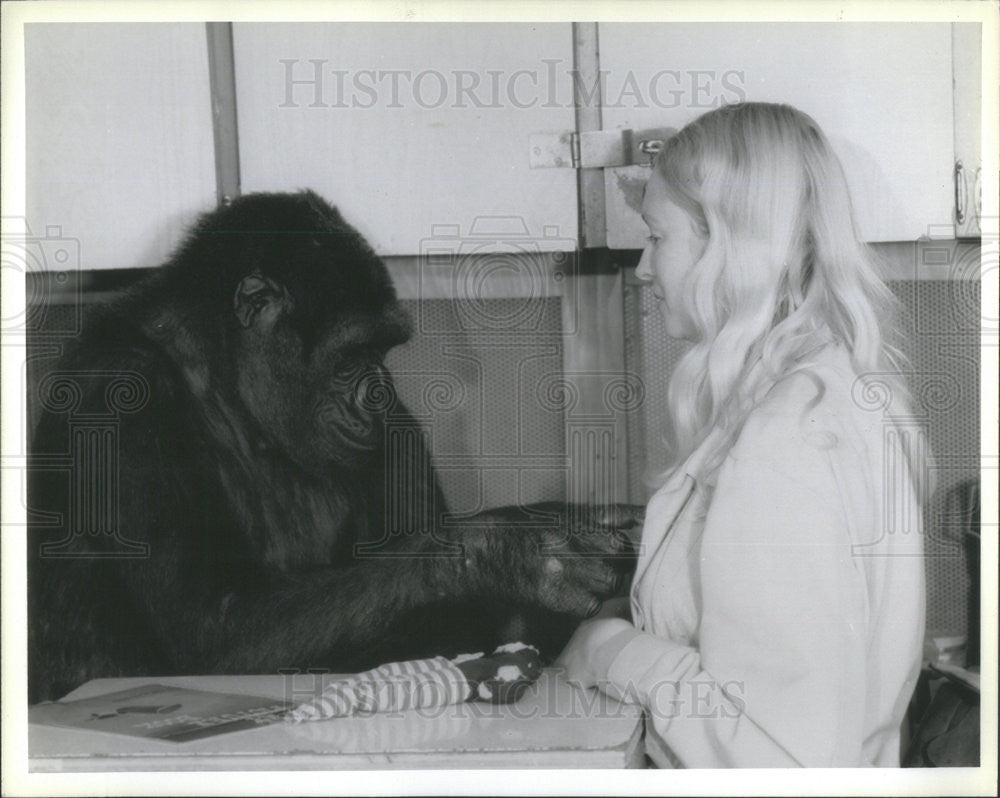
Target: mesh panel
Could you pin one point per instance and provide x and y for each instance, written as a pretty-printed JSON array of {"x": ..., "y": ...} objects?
[
  {"x": 943, "y": 347},
  {"x": 650, "y": 353},
  {"x": 493, "y": 442}
]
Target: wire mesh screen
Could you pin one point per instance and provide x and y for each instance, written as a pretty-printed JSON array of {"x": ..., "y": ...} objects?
[
  {"x": 942, "y": 343},
  {"x": 474, "y": 388},
  {"x": 473, "y": 384},
  {"x": 943, "y": 346},
  {"x": 650, "y": 353}
]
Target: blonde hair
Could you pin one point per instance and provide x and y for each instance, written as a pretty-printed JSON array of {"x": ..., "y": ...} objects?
[{"x": 782, "y": 274}]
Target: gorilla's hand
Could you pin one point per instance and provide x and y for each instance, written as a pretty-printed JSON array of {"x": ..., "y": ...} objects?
[{"x": 565, "y": 558}]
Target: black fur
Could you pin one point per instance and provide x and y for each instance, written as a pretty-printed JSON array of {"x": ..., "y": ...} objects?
[{"x": 230, "y": 545}]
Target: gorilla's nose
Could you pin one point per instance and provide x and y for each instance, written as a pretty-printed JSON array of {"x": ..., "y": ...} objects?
[{"x": 357, "y": 425}]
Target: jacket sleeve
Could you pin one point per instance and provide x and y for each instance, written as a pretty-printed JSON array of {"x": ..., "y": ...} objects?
[{"x": 778, "y": 675}]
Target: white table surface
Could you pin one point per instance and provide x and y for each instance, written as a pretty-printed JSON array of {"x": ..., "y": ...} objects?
[{"x": 553, "y": 726}]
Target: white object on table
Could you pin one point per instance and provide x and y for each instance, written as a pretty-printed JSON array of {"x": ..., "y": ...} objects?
[{"x": 553, "y": 726}]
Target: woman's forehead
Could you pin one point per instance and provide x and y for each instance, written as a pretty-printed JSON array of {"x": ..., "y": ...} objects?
[{"x": 654, "y": 196}]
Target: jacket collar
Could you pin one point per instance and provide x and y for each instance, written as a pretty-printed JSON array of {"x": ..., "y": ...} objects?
[
  {"x": 667, "y": 503},
  {"x": 693, "y": 466}
]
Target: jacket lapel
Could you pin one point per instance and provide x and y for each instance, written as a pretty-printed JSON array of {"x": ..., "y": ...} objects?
[{"x": 668, "y": 503}]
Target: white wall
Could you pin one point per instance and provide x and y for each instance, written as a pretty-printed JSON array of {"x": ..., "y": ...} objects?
[{"x": 119, "y": 131}]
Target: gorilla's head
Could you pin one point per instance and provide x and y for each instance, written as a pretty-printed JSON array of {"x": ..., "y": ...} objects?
[{"x": 310, "y": 312}]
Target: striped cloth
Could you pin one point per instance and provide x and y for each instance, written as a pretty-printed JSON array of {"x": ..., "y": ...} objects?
[{"x": 395, "y": 687}]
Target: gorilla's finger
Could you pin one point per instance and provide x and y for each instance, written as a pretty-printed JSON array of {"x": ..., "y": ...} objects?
[
  {"x": 601, "y": 541},
  {"x": 570, "y": 597},
  {"x": 582, "y": 604},
  {"x": 595, "y": 576},
  {"x": 622, "y": 563},
  {"x": 621, "y": 516}
]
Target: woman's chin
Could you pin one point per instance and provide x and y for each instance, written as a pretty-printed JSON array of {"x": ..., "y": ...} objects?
[{"x": 678, "y": 329}]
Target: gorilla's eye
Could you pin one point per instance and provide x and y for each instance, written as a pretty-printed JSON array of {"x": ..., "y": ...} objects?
[
  {"x": 348, "y": 370},
  {"x": 353, "y": 367}
]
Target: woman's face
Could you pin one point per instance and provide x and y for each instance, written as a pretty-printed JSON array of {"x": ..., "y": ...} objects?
[{"x": 674, "y": 247}]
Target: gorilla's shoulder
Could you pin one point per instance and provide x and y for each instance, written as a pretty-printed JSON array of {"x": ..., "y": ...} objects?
[
  {"x": 110, "y": 338},
  {"x": 114, "y": 358}
]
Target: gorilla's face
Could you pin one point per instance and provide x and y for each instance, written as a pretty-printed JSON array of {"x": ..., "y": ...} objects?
[
  {"x": 322, "y": 404},
  {"x": 349, "y": 389},
  {"x": 344, "y": 409},
  {"x": 313, "y": 325}
]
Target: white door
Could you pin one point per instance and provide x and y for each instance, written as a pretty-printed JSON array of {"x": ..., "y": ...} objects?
[
  {"x": 119, "y": 154},
  {"x": 415, "y": 131},
  {"x": 882, "y": 92}
]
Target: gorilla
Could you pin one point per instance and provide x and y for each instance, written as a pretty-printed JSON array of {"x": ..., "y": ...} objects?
[{"x": 227, "y": 501}]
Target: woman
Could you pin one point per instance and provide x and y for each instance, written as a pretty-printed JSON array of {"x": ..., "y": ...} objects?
[{"x": 777, "y": 610}]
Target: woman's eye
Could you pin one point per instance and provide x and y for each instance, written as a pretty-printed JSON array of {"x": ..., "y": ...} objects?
[{"x": 653, "y": 239}]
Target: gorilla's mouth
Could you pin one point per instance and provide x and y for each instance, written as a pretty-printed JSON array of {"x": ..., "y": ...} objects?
[{"x": 349, "y": 413}]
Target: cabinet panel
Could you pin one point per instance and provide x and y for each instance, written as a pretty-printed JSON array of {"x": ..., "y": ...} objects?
[
  {"x": 968, "y": 64},
  {"x": 411, "y": 126},
  {"x": 882, "y": 92},
  {"x": 119, "y": 137}
]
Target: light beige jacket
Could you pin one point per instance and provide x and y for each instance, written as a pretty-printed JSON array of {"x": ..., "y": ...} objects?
[{"x": 779, "y": 616}]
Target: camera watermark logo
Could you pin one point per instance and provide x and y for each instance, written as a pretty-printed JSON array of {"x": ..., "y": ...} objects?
[
  {"x": 49, "y": 264},
  {"x": 965, "y": 264},
  {"x": 497, "y": 258}
]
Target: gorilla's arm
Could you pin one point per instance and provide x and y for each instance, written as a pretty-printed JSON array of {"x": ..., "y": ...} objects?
[{"x": 208, "y": 589}]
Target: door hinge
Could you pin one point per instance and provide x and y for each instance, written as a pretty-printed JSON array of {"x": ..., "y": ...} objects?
[{"x": 596, "y": 149}]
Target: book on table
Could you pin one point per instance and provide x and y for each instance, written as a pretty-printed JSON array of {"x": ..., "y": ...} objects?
[{"x": 156, "y": 711}]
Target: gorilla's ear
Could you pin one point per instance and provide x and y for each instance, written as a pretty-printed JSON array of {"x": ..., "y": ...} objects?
[{"x": 254, "y": 295}]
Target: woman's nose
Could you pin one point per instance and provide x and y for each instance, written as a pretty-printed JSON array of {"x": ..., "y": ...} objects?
[{"x": 643, "y": 270}]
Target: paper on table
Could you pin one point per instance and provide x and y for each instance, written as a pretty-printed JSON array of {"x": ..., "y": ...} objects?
[{"x": 175, "y": 714}]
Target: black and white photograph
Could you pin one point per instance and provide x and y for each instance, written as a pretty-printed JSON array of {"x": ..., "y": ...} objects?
[{"x": 484, "y": 398}]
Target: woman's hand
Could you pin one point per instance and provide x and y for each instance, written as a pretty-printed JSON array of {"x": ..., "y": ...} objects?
[{"x": 579, "y": 657}]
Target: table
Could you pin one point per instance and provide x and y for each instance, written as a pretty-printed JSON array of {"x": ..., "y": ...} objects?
[{"x": 554, "y": 725}]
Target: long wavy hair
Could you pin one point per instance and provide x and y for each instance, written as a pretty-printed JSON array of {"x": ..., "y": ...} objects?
[{"x": 783, "y": 272}]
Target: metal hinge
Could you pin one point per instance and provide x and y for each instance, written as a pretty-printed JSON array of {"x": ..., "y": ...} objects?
[{"x": 596, "y": 149}]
